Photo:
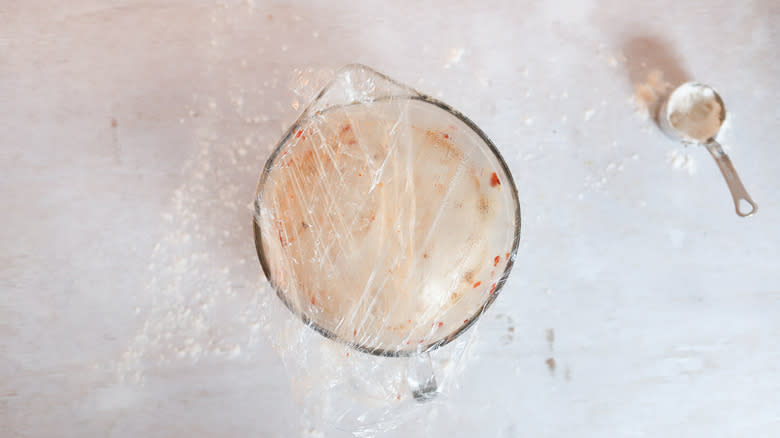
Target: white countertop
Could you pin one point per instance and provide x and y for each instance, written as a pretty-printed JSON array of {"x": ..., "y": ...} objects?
[{"x": 132, "y": 134}]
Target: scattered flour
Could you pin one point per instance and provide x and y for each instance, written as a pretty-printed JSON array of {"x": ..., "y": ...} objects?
[
  {"x": 201, "y": 299},
  {"x": 647, "y": 96},
  {"x": 588, "y": 114},
  {"x": 597, "y": 180},
  {"x": 454, "y": 55},
  {"x": 681, "y": 161},
  {"x": 613, "y": 59}
]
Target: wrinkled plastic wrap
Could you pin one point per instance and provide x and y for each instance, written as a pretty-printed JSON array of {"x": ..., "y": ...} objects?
[{"x": 386, "y": 224}]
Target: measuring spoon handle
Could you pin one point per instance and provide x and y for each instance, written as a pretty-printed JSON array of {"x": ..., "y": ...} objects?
[{"x": 738, "y": 191}]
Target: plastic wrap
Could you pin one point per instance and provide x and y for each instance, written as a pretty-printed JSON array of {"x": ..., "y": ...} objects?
[{"x": 387, "y": 223}]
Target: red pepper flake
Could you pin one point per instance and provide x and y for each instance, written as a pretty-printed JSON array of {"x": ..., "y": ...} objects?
[
  {"x": 347, "y": 354},
  {"x": 360, "y": 174},
  {"x": 446, "y": 136},
  {"x": 398, "y": 397},
  {"x": 496, "y": 260},
  {"x": 313, "y": 301},
  {"x": 494, "y": 181},
  {"x": 410, "y": 321},
  {"x": 408, "y": 342},
  {"x": 492, "y": 288},
  {"x": 346, "y": 128},
  {"x": 476, "y": 285},
  {"x": 354, "y": 332},
  {"x": 440, "y": 324},
  {"x": 507, "y": 256},
  {"x": 422, "y": 340},
  {"x": 298, "y": 134},
  {"x": 465, "y": 321},
  {"x": 373, "y": 217}
]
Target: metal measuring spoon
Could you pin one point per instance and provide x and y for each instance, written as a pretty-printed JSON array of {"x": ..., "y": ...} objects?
[{"x": 694, "y": 113}]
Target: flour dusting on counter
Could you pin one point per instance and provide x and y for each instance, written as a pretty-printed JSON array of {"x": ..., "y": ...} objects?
[
  {"x": 681, "y": 161},
  {"x": 648, "y": 95},
  {"x": 200, "y": 300},
  {"x": 454, "y": 55}
]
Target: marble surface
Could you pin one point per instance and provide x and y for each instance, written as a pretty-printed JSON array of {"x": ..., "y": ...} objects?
[{"x": 132, "y": 134}]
